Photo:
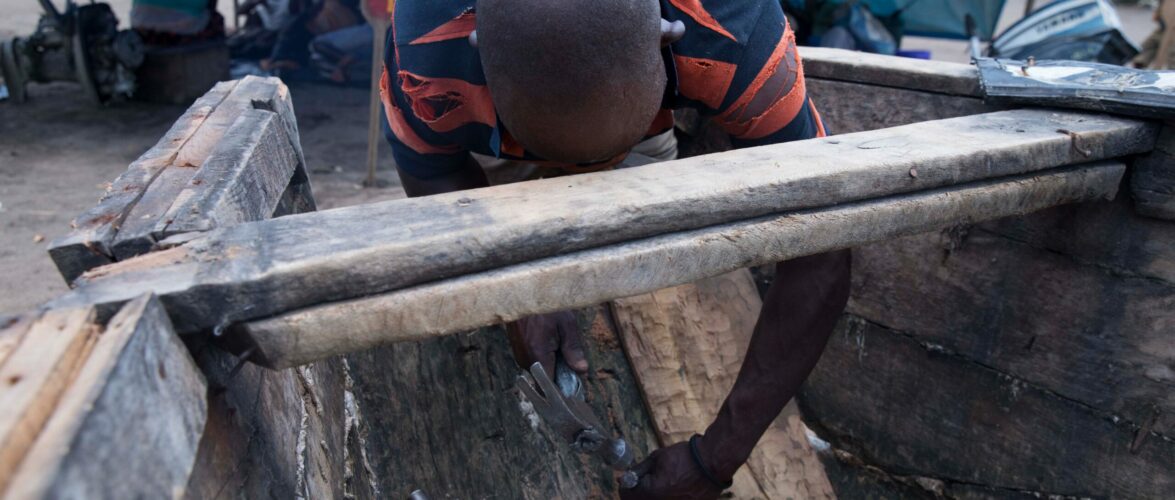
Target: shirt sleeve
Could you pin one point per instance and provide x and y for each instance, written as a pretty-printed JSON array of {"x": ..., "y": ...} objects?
[
  {"x": 772, "y": 104},
  {"x": 418, "y": 151}
]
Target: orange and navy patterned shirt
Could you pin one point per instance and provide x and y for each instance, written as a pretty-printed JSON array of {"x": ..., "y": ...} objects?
[{"x": 737, "y": 63}]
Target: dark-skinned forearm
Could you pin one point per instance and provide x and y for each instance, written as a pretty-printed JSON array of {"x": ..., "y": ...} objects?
[{"x": 799, "y": 313}]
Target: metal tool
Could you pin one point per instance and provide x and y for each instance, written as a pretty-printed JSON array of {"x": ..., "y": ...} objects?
[{"x": 562, "y": 407}]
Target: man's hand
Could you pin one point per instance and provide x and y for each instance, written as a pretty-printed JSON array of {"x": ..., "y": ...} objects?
[
  {"x": 671, "y": 473},
  {"x": 539, "y": 338}
]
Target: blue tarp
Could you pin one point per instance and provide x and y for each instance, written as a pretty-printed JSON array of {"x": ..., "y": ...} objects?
[
  {"x": 933, "y": 18},
  {"x": 947, "y": 18}
]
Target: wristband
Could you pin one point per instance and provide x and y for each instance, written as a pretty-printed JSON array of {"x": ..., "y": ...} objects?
[{"x": 693, "y": 449}]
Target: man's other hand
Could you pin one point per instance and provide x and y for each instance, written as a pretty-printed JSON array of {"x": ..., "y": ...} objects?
[
  {"x": 539, "y": 338},
  {"x": 671, "y": 473}
]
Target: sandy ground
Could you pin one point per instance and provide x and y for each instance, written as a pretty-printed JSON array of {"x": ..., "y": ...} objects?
[{"x": 58, "y": 150}]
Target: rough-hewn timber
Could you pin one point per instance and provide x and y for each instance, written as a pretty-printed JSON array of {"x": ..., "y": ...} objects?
[
  {"x": 920, "y": 408},
  {"x": 592, "y": 276},
  {"x": 91, "y": 242},
  {"x": 686, "y": 344},
  {"x": 137, "y": 211},
  {"x": 876, "y": 70},
  {"x": 339, "y": 254},
  {"x": 442, "y": 415},
  {"x": 242, "y": 180},
  {"x": 1095, "y": 337},
  {"x": 128, "y": 424},
  {"x": 35, "y": 376}
]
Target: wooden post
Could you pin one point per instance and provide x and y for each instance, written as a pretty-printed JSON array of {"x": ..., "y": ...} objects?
[{"x": 378, "y": 15}]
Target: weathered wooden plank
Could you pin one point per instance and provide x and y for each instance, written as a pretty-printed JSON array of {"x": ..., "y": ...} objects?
[
  {"x": 138, "y": 233},
  {"x": 593, "y": 276},
  {"x": 847, "y": 107},
  {"x": 442, "y": 415},
  {"x": 242, "y": 180},
  {"x": 1152, "y": 180},
  {"x": 685, "y": 345},
  {"x": 355, "y": 251},
  {"x": 128, "y": 425},
  {"x": 289, "y": 433},
  {"x": 1091, "y": 336},
  {"x": 880, "y": 393},
  {"x": 90, "y": 243},
  {"x": 273, "y": 433},
  {"x": 890, "y": 71},
  {"x": 1109, "y": 235},
  {"x": 35, "y": 376}
]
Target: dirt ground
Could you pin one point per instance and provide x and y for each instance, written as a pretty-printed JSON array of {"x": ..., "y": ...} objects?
[{"x": 58, "y": 150}]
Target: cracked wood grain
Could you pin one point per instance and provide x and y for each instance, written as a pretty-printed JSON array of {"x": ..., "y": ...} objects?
[
  {"x": 592, "y": 276},
  {"x": 281, "y": 264}
]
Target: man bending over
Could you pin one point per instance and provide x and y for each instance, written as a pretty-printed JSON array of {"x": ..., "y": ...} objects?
[{"x": 532, "y": 88}]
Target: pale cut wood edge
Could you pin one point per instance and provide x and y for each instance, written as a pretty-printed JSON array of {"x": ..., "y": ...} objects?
[
  {"x": 891, "y": 71},
  {"x": 12, "y": 330},
  {"x": 138, "y": 383},
  {"x": 136, "y": 236},
  {"x": 34, "y": 378},
  {"x": 686, "y": 345},
  {"x": 242, "y": 181},
  {"x": 90, "y": 242},
  {"x": 589, "y": 277}
]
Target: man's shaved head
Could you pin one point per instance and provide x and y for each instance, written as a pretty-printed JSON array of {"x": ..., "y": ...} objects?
[{"x": 573, "y": 81}]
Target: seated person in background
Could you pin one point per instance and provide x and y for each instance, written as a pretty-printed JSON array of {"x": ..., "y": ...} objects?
[
  {"x": 565, "y": 87},
  {"x": 311, "y": 18},
  {"x": 343, "y": 56}
]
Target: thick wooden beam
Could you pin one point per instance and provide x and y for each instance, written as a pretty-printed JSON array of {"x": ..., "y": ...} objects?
[
  {"x": 211, "y": 154},
  {"x": 91, "y": 242},
  {"x": 128, "y": 424},
  {"x": 34, "y": 377},
  {"x": 939, "y": 77},
  {"x": 259, "y": 269},
  {"x": 243, "y": 179},
  {"x": 592, "y": 276},
  {"x": 192, "y": 164}
]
